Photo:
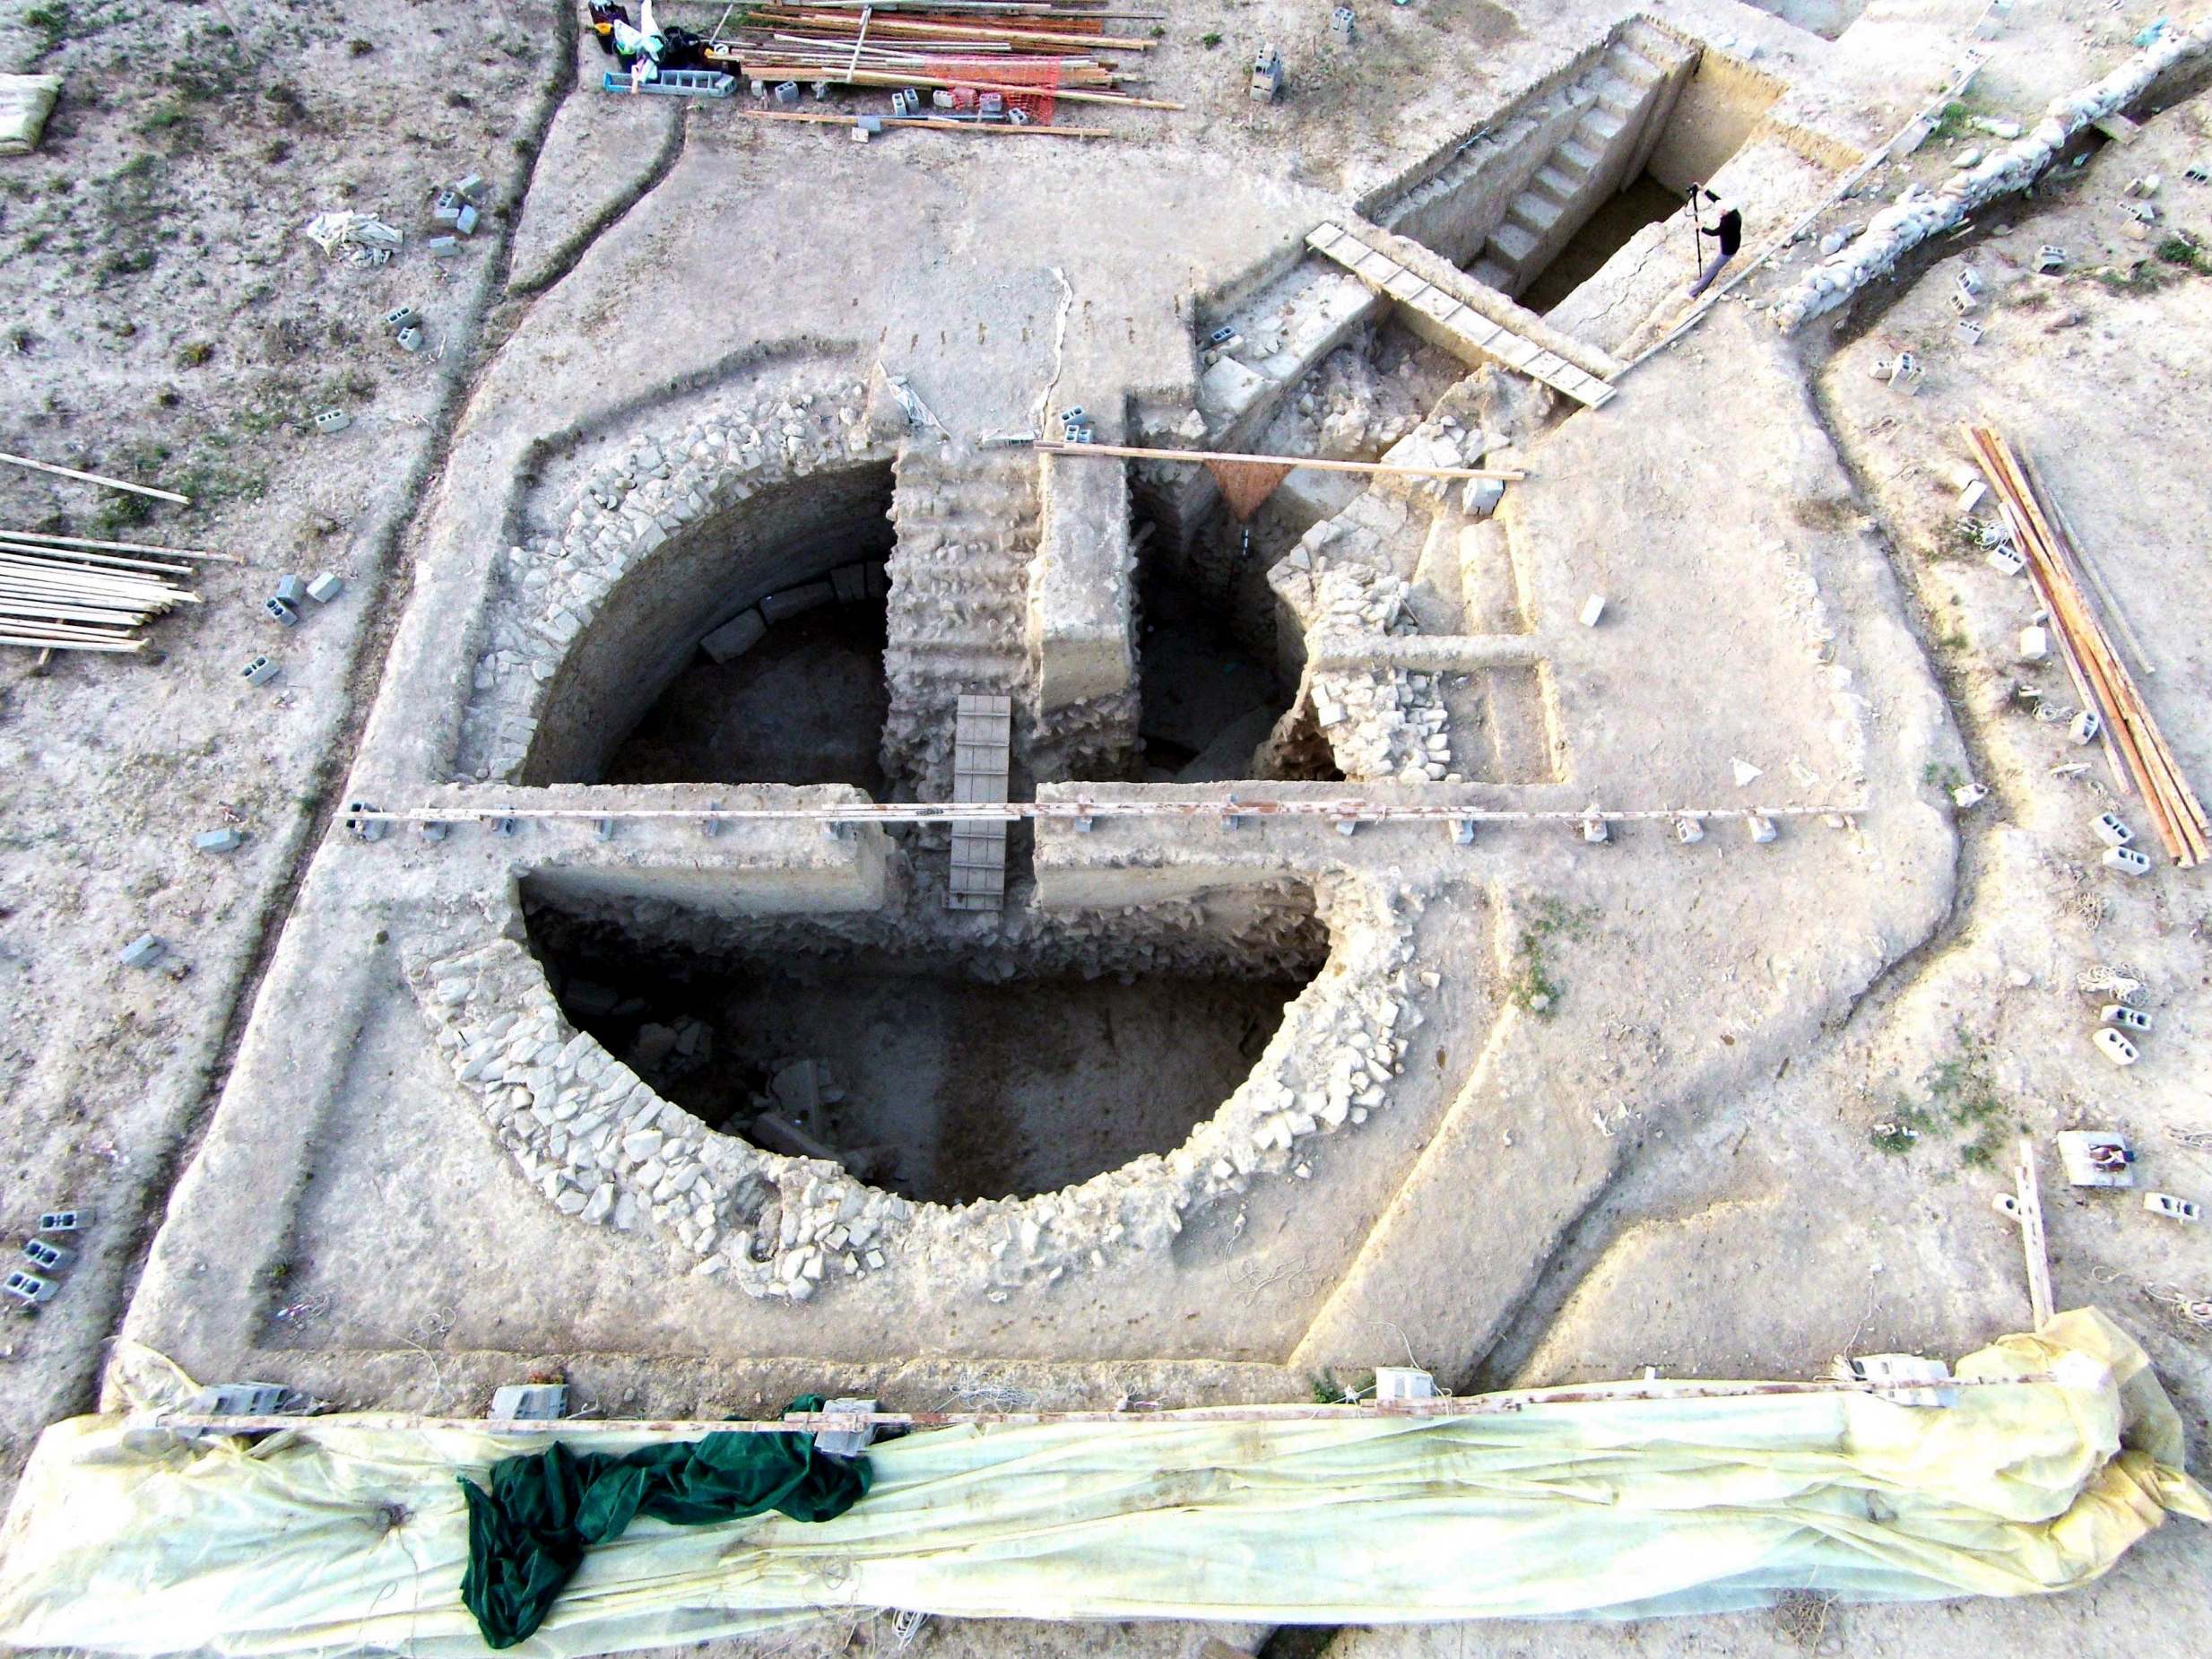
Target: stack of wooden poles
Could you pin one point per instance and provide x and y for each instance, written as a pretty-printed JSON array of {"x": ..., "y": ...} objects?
[
  {"x": 2100, "y": 677},
  {"x": 60, "y": 593},
  {"x": 69, "y": 593},
  {"x": 1047, "y": 50}
]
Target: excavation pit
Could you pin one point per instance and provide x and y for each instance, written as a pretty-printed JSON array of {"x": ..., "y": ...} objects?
[
  {"x": 691, "y": 668},
  {"x": 940, "y": 1075}
]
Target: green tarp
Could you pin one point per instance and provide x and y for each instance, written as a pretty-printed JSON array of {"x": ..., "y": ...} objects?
[{"x": 528, "y": 1533}]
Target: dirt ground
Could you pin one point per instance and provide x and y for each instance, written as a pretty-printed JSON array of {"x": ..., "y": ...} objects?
[{"x": 1746, "y": 1049}]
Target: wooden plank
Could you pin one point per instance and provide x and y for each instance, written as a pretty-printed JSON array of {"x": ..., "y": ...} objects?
[
  {"x": 2041, "y": 1306},
  {"x": 95, "y": 478},
  {"x": 1085, "y": 452},
  {"x": 991, "y": 128}
]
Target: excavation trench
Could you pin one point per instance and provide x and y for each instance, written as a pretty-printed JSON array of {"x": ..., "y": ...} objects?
[
  {"x": 938, "y": 1072},
  {"x": 747, "y": 647}
]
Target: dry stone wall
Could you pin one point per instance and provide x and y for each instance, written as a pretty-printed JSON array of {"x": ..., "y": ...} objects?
[
  {"x": 553, "y": 590},
  {"x": 604, "y": 1148}
]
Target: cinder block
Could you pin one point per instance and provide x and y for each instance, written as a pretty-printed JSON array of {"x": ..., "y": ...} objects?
[
  {"x": 325, "y": 587},
  {"x": 292, "y": 590},
  {"x": 796, "y": 601},
  {"x": 279, "y": 611},
  {"x": 28, "y": 1289},
  {"x": 224, "y": 840},
  {"x": 735, "y": 637},
  {"x": 530, "y": 1402},
  {"x": 142, "y": 951}
]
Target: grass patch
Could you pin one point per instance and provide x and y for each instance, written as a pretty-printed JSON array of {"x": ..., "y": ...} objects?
[
  {"x": 1529, "y": 986},
  {"x": 2145, "y": 276},
  {"x": 1957, "y": 1099},
  {"x": 2184, "y": 250}
]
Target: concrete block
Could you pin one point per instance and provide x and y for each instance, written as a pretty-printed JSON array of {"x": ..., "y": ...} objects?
[
  {"x": 786, "y": 91},
  {"x": 1480, "y": 497},
  {"x": 1593, "y": 608},
  {"x": 2111, "y": 829},
  {"x": 332, "y": 421},
  {"x": 142, "y": 951},
  {"x": 2034, "y": 643},
  {"x": 367, "y": 828},
  {"x": 2084, "y": 728},
  {"x": 796, "y": 601},
  {"x": 1402, "y": 1382},
  {"x": 410, "y": 338},
  {"x": 279, "y": 611},
  {"x": 400, "y": 315},
  {"x": 1688, "y": 831},
  {"x": 2126, "y": 860},
  {"x": 1762, "y": 828},
  {"x": 1342, "y": 26},
  {"x": 47, "y": 1258},
  {"x": 735, "y": 637},
  {"x": 2115, "y": 1047},
  {"x": 325, "y": 587},
  {"x": 292, "y": 590},
  {"x": 465, "y": 222},
  {"x": 443, "y": 247},
  {"x": 446, "y": 208},
  {"x": 1596, "y": 831},
  {"x": 77, "y": 1219},
  {"x": 470, "y": 189},
  {"x": 224, "y": 840},
  {"x": 2173, "y": 1209},
  {"x": 28, "y": 1289},
  {"x": 2125, "y": 1017},
  {"x": 240, "y": 1400},
  {"x": 847, "y": 1442},
  {"x": 530, "y": 1402},
  {"x": 2005, "y": 559}
]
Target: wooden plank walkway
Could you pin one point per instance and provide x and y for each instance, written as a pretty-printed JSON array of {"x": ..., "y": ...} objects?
[{"x": 1463, "y": 322}]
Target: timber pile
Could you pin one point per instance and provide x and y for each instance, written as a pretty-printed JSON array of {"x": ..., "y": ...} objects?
[
  {"x": 1031, "y": 52},
  {"x": 66, "y": 594},
  {"x": 2055, "y": 563}
]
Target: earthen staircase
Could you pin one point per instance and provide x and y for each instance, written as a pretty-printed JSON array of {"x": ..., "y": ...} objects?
[
  {"x": 1619, "y": 96},
  {"x": 966, "y": 522}
]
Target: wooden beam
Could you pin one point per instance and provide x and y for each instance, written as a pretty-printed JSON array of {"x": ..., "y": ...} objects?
[
  {"x": 996, "y": 129},
  {"x": 2039, "y": 1299},
  {"x": 119, "y": 547},
  {"x": 95, "y": 478},
  {"x": 1312, "y": 462}
]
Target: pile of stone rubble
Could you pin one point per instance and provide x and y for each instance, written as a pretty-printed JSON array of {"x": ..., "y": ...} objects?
[{"x": 1919, "y": 213}]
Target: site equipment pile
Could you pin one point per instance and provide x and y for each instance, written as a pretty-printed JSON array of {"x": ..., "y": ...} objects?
[{"x": 1028, "y": 54}]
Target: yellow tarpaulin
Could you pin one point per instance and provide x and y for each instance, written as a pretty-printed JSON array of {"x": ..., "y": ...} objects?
[{"x": 127, "y": 1538}]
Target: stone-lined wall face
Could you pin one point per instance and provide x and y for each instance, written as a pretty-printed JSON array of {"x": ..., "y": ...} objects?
[
  {"x": 1919, "y": 214},
  {"x": 604, "y": 1147},
  {"x": 804, "y": 421},
  {"x": 1346, "y": 578}
]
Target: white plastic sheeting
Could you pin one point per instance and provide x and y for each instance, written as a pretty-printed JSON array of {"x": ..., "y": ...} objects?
[{"x": 127, "y": 1538}]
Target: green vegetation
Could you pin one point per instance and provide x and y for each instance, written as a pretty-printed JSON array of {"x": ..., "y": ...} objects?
[
  {"x": 1209, "y": 40},
  {"x": 2184, "y": 250},
  {"x": 1530, "y": 986},
  {"x": 1957, "y": 1097}
]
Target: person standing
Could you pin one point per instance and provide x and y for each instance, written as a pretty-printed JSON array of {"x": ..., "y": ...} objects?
[{"x": 1726, "y": 230}]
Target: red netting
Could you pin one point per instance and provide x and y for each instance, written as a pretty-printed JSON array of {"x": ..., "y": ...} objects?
[{"x": 1029, "y": 87}]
